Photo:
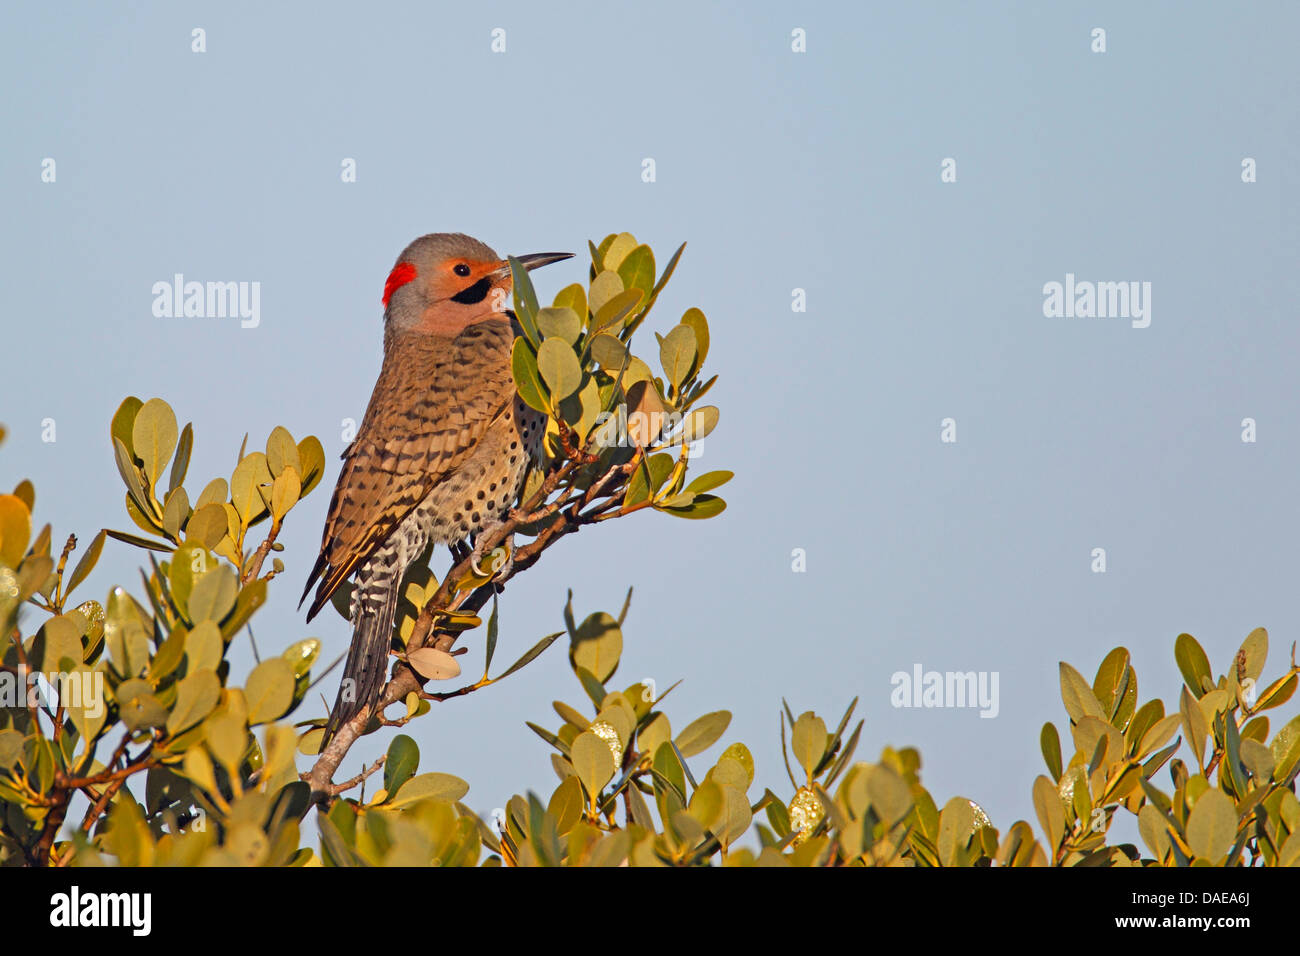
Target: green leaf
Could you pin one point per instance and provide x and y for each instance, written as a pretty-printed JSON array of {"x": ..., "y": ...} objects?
[
  {"x": 1286, "y": 749},
  {"x": 598, "y": 252},
  {"x": 128, "y": 834},
  {"x": 1079, "y": 699},
  {"x": 637, "y": 270},
  {"x": 1049, "y": 742},
  {"x": 677, "y": 354},
  {"x": 1212, "y": 826},
  {"x": 1254, "y": 651},
  {"x": 175, "y": 513},
  {"x": 808, "y": 741},
  {"x": 659, "y": 287},
  {"x": 594, "y": 689},
  {"x": 528, "y": 657},
  {"x": 197, "y": 767},
  {"x": 570, "y": 715},
  {"x": 61, "y": 637},
  {"x": 708, "y": 804},
  {"x": 1111, "y": 681},
  {"x": 251, "y": 597},
  {"x": 311, "y": 456},
  {"x": 708, "y": 481},
  {"x": 439, "y": 786},
  {"x": 739, "y": 753},
  {"x": 889, "y": 793},
  {"x": 699, "y": 422},
  {"x": 1158, "y": 734},
  {"x": 15, "y": 531},
  {"x": 1257, "y": 758},
  {"x": 1195, "y": 725},
  {"x": 700, "y": 326},
  {"x": 11, "y": 748},
  {"x": 559, "y": 368},
  {"x": 597, "y": 646},
  {"x": 492, "y": 628},
  {"x": 86, "y": 564},
  {"x": 563, "y": 323},
  {"x": 613, "y": 253},
  {"x": 703, "y": 506},
  {"x": 285, "y": 492},
  {"x": 1277, "y": 693},
  {"x": 1154, "y": 828},
  {"x": 138, "y": 708},
  {"x": 608, "y": 351},
  {"x": 573, "y": 297},
  {"x": 614, "y": 311},
  {"x": 215, "y": 491},
  {"x": 249, "y": 476},
  {"x": 592, "y": 761},
  {"x": 528, "y": 381},
  {"x": 181, "y": 464},
  {"x": 956, "y": 824},
  {"x": 213, "y": 595},
  {"x": 549, "y": 737},
  {"x": 169, "y": 656},
  {"x": 269, "y": 690},
  {"x": 566, "y": 804},
  {"x": 301, "y": 655},
  {"x": 153, "y": 438},
  {"x": 604, "y": 287},
  {"x": 639, "y": 487},
  {"x": 402, "y": 761},
  {"x": 139, "y": 542},
  {"x": 1193, "y": 664},
  {"x": 204, "y": 647},
  {"x": 130, "y": 474},
  {"x": 282, "y": 452},
  {"x": 1051, "y": 814},
  {"x": 123, "y": 423},
  {"x": 197, "y": 695},
  {"x": 525, "y": 301},
  {"x": 703, "y": 733}
]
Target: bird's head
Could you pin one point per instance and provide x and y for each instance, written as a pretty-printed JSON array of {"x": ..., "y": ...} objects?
[{"x": 446, "y": 281}]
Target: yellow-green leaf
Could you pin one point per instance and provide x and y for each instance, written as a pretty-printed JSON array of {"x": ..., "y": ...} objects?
[
  {"x": 197, "y": 696},
  {"x": 1193, "y": 664},
  {"x": 703, "y": 733},
  {"x": 559, "y": 368},
  {"x": 1212, "y": 826},
  {"x": 592, "y": 761},
  {"x": 269, "y": 690},
  {"x": 528, "y": 380},
  {"x": 153, "y": 438}
]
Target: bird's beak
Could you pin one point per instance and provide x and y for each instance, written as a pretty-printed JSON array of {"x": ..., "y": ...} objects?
[{"x": 535, "y": 260}]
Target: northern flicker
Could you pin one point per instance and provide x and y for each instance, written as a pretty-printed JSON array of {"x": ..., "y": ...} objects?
[{"x": 442, "y": 450}]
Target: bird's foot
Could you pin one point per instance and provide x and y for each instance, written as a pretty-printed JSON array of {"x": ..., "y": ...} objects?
[{"x": 497, "y": 563}]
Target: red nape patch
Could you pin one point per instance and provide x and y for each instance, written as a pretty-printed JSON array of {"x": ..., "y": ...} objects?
[{"x": 402, "y": 273}]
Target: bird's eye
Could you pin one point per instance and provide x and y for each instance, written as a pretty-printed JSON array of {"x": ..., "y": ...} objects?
[{"x": 461, "y": 269}]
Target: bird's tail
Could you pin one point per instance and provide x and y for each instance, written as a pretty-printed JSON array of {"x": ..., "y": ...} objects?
[{"x": 363, "y": 674}]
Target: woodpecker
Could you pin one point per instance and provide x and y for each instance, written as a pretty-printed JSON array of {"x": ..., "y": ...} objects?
[{"x": 443, "y": 448}]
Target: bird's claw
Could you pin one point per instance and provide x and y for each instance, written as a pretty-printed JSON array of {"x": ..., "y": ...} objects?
[{"x": 502, "y": 560}]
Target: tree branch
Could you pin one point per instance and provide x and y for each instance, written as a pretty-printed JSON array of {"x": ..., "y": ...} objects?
[{"x": 426, "y": 633}]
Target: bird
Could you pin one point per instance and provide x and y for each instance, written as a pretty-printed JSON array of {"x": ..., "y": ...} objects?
[{"x": 442, "y": 451}]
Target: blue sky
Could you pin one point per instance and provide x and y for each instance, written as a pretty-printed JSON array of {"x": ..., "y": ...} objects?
[{"x": 817, "y": 171}]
